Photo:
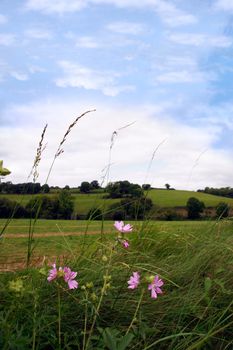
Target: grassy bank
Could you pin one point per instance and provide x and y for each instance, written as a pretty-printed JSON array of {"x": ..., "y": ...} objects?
[{"x": 195, "y": 311}]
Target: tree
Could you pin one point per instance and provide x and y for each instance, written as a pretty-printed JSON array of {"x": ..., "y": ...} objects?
[
  {"x": 85, "y": 187},
  {"x": 194, "y": 207},
  {"x": 66, "y": 205},
  {"x": 45, "y": 188},
  {"x": 146, "y": 187},
  {"x": 94, "y": 185},
  {"x": 94, "y": 214},
  {"x": 124, "y": 189},
  {"x": 167, "y": 186},
  {"x": 222, "y": 210}
]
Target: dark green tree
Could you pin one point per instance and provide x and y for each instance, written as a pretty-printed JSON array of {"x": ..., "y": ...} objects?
[
  {"x": 94, "y": 185},
  {"x": 85, "y": 187},
  {"x": 66, "y": 205},
  {"x": 194, "y": 207},
  {"x": 222, "y": 210}
]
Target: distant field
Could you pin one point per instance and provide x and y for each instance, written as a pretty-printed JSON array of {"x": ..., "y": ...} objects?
[
  {"x": 170, "y": 198},
  {"x": 162, "y": 198},
  {"x": 53, "y": 241}
]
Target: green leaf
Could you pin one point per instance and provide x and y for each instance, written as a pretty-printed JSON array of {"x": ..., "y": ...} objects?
[
  {"x": 109, "y": 339},
  {"x": 125, "y": 341}
]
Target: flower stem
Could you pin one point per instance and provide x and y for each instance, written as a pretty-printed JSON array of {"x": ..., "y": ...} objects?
[
  {"x": 136, "y": 311},
  {"x": 59, "y": 315}
]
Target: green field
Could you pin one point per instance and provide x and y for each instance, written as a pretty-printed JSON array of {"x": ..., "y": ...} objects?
[
  {"x": 195, "y": 310},
  {"x": 161, "y": 198}
]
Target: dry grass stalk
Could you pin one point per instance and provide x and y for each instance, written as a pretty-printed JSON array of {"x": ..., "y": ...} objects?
[{"x": 37, "y": 159}]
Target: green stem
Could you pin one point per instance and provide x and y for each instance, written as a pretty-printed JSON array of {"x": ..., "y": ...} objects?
[
  {"x": 136, "y": 311},
  {"x": 85, "y": 325},
  {"x": 100, "y": 300},
  {"x": 59, "y": 315}
]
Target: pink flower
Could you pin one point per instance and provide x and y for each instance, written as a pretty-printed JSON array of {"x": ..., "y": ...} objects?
[
  {"x": 69, "y": 277},
  {"x": 119, "y": 225},
  {"x": 125, "y": 244},
  {"x": 134, "y": 280},
  {"x": 52, "y": 273},
  {"x": 155, "y": 287}
]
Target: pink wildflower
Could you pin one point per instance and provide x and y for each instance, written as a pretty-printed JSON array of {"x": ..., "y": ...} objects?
[
  {"x": 155, "y": 287},
  {"x": 119, "y": 225},
  {"x": 125, "y": 244},
  {"x": 69, "y": 277},
  {"x": 134, "y": 280},
  {"x": 52, "y": 273}
]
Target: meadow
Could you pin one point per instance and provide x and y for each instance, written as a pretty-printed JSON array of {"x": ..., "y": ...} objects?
[
  {"x": 161, "y": 198},
  {"x": 193, "y": 258}
]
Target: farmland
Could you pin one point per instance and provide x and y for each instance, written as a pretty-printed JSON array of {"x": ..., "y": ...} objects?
[{"x": 161, "y": 198}]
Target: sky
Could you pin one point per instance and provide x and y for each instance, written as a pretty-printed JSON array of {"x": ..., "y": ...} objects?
[{"x": 158, "y": 72}]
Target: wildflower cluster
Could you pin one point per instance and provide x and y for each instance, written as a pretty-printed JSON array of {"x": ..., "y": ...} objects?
[
  {"x": 119, "y": 225},
  {"x": 154, "y": 286},
  {"x": 134, "y": 280},
  {"x": 66, "y": 273}
]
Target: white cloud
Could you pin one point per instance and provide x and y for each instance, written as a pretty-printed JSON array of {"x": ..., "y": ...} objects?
[
  {"x": 182, "y": 76},
  {"x": 19, "y": 76},
  {"x": 87, "y": 146},
  {"x": 126, "y": 28},
  {"x": 169, "y": 13},
  {"x": 7, "y": 39},
  {"x": 55, "y": 6},
  {"x": 38, "y": 33},
  {"x": 3, "y": 19},
  {"x": 193, "y": 39},
  {"x": 226, "y": 5},
  {"x": 87, "y": 42},
  {"x": 79, "y": 76}
]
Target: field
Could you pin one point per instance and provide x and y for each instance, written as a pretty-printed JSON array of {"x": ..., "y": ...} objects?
[
  {"x": 161, "y": 198},
  {"x": 194, "y": 260}
]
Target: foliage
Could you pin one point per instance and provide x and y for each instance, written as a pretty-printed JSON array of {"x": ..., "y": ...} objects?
[
  {"x": 65, "y": 205},
  {"x": 146, "y": 187},
  {"x": 8, "y": 207},
  {"x": 222, "y": 210},
  {"x": 167, "y": 186},
  {"x": 94, "y": 214},
  {"x": 128, "y": 208},
  {"x": 94, "y": 185},
  {"x": 24, "y": 188},
  {"x": 223, "y": 191},
  {"x": 124, "y": 189},
  {"x": 85, "y": 187},
  {"x": 195, "y": 208}
]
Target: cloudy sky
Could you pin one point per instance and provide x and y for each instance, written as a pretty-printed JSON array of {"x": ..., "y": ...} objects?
[{"x": 166, "y": 66}]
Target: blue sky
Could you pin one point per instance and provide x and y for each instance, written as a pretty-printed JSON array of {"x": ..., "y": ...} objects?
[{"x": 167, "y": 65}]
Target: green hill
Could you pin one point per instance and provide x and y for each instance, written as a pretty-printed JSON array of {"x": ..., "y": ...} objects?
[
  {"x": 176, "y": 198},
  {"x": 162, "y": 198}
]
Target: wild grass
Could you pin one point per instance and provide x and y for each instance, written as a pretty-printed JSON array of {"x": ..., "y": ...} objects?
[
  {"x": 194, "y": 259},
  {"x": 194, "y": 312}
]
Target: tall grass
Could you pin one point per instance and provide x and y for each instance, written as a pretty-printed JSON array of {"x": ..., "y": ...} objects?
[{"x": 195, "y": 310}]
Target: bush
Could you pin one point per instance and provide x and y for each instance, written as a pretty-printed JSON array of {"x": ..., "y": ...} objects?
[
  {"x": 222, "y": 210},
  {"x": 7, "y": 207},
  {"x": 94, "y": 214},
  {"x": 195, "y": 208}
]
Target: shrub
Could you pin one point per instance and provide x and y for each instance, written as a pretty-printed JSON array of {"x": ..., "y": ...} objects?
[
  {"x": 194, "y": 207},
  {"x": 94, "y": 214},
  {"x": 222, "y": 210}
]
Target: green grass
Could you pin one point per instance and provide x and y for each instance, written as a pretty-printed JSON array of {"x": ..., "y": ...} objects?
[
  {"x": 195, "y": 311},
  {"x": 170, "y": 198},
  {"x": 162, "y": 198}
]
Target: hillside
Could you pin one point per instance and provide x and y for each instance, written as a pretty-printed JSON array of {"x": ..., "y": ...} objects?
[
  {"x": 161, "y": 198},
  {"x": 170, "y": 198}
]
